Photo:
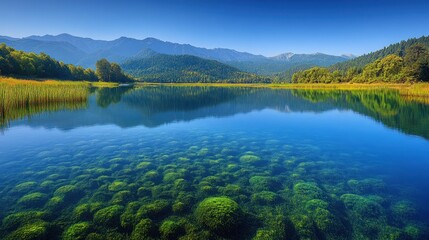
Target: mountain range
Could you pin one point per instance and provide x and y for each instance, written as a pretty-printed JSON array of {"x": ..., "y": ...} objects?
[{"x": 86, "y": 51}]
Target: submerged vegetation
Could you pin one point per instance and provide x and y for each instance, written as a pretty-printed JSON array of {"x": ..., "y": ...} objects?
[
  {"x": 198, "y": 189},
  {"x": 219, "y": 214}
]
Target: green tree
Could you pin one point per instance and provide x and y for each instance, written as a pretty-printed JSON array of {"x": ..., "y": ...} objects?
[
  {"x": 417, "y": 62},
  {"x": 110, "y": 72},
  {"x": 103, "y": 70},
  {"x": 387, "y": 69},
  {"x": 337, "y": 76},
  {"x": 314, "y": 75},
  {"x": 350, "y": 74}
]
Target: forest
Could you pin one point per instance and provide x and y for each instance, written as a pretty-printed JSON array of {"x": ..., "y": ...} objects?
[
  {"x": 187, "y": 69},
  {"x": 31, "y": 65},
  {"x": 413, "y": 66},
  {"x": 398, "y": 49}
]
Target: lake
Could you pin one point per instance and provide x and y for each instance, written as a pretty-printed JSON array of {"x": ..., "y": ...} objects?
[{"x": 165, "y": 162}]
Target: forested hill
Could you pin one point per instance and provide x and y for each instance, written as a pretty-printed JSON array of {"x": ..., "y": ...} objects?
[
  {"x": 28, "y": 64},
  {"x": 31, "y": 65},
  {"x": 397, "y": 49},
  {"x": 186, "y": 68}
]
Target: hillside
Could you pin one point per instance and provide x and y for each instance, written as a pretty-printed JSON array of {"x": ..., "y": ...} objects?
[
  {"x": 185, "y": 68},
  {"x": 410, "y": 63},
  {"x": 29, "y": 64},
  {"x": 61, "y": 51},
  {"x": 20, "y": 64},
  {"x": 397, "y": 49}
]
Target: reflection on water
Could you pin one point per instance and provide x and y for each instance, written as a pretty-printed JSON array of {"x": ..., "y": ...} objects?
[
  {"x": 163, "y": 162},
  {"x": 107, "y": 96},
  {"x": 16, "y": 113},
  {"x": 386, "y": 106},
  {"x": 154, "y": 106}
]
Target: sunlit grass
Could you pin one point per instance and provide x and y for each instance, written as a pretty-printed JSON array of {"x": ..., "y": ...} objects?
[
  {"x": 103, "y": 84},
  {"x": 418, "y": 92},
  {"x": 23, "y": 92},
  {"x": 413, "y": 92},
  {"x": 20, "y": 98}
]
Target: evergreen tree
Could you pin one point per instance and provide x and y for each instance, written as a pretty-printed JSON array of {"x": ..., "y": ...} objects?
[{"x": 417, "y": 62}]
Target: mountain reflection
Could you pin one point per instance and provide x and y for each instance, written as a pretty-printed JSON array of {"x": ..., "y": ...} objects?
[{"x": 152, "y": 106}]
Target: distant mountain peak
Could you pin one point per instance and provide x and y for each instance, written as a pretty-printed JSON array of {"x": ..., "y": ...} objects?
[
  {"x": 348, "y": 56},
  {"x": 283, "y": 56},
  {"x": 151, "y": 40},
  {"x": 65, "y": 35},
  {"x": 125, "y": 38}
]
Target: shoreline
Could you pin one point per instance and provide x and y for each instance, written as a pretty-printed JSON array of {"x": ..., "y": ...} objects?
[
  {"x": 19, "y": 81},
  {"x": 405, "y": 89}
]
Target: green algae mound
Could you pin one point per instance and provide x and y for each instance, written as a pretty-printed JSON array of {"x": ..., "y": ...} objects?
[{"x": 220, "y": 214}]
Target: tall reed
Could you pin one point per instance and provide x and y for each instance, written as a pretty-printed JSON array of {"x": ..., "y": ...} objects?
[{"x": 20, "y": 98}]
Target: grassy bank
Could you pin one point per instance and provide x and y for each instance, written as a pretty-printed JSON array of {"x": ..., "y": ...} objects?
[
  {"x": 20, "y": 98},
  {"x": 49, "y": 90},
  {"x": 23, "y": 92},
  {"x": 406, "y": 89},
  {"x": 13, "y": 81}
]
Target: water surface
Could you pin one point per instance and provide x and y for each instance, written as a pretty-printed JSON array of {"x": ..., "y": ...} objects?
[{"x": 301, "y": 165}]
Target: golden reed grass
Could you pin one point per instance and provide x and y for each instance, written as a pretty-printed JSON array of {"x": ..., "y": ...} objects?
[{"x": 20, "y": 98}]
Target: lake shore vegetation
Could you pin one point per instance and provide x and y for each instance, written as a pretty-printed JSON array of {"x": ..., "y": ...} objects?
[{"x": 413, "y": 66}]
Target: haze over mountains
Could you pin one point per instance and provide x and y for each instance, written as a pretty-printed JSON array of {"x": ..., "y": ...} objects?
[{"x": 86, "y": 51}]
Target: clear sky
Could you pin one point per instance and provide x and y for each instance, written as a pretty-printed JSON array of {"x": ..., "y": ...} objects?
[{"x": 260, "y": 27}]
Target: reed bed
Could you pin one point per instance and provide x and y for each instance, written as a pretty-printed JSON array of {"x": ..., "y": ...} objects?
[
  {"x": 418, "y": 92},
  {"x": 20, "y": 98}
]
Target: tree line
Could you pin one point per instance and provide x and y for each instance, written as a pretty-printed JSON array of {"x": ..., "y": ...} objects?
[
  {"x": 398, "y": 49},
  {"x": 412, "y": 67},
  {"x": 27, "y": 64}
]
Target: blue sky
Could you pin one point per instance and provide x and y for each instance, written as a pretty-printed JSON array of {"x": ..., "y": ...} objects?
[{"x": 259, "y": 27}]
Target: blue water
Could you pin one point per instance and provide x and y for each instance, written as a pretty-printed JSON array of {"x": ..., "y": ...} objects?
[{"x": 333, "y": 144}]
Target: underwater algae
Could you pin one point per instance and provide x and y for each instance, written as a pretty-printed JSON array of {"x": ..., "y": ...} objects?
[{"x": 203, "y": 187}]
